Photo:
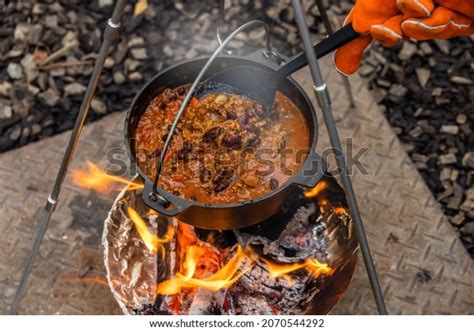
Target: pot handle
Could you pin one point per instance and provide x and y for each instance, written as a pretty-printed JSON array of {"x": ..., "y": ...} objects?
[
  {"x": 311, "y": 172},
  {"x": 163, "y": 202},
  {"x": 170, "y": 212}
]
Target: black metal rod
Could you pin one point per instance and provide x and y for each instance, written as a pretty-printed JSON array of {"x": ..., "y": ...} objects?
[
  {"x": 110, "y": 35},
  {"x": 322, "y": 96},
  {"x": 329, "y": 30}
]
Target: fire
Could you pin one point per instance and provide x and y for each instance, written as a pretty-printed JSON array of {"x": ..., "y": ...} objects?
[
  {"x": 315, "y": 267},
  {"x": 152, "y": 242},
  {"x": 97, "y": 179},
  {"x": 316, "y": 190},
  {"x": 322, "y": 201},
  {"x": 340, "y": 211},
  {"x": 200, "y": 265},
  {"x": 231, "y": 271},
  {"x": 223, "y": 278}
]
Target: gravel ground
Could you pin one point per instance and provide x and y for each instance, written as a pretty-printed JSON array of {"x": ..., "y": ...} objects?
[{"x": 427, "y": 92}]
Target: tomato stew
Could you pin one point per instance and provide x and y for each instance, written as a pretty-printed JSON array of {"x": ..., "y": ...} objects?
[{"x": 225, "y": 149}]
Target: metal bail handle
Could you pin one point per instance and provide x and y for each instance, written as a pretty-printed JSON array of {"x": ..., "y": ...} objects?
[
  {"x": 155, "y": 195},
  {"x": 268, "y": 53}
]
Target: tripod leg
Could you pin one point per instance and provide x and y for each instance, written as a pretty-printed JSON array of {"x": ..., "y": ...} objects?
[
  {"x": 329, "y": 30},
  {"x": 324, "y": 101},
  {"x": 110, "y": 34}
]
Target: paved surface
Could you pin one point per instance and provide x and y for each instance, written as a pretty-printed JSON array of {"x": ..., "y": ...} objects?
[{"x": 422, "y": 266}]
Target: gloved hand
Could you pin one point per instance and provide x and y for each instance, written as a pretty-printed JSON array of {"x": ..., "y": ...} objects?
[
  {"x": 451, "y": 18},
  {"x": 388, "y": 21},
  {"x": 365, "y": 16}
]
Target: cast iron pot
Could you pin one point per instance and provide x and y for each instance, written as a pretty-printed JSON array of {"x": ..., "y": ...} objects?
[{"x": 235, "y": 215}]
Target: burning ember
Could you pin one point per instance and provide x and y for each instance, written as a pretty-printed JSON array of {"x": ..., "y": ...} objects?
[{"x": 161, "y": 265}]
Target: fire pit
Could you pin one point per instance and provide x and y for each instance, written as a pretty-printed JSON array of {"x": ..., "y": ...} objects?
[
  {"x": 275, "y": 254},
  {"x": 299, "y": 261}
]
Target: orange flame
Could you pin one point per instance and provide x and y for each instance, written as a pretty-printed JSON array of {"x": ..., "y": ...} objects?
[
  {"x": 231, "y": 271},
  {"x": 223, "y": 278},
  {"x": 323, "y": 202},
  {"x": 98, "y": 180},
  {"x": 152, "y": 242},
  {"x": 340, "y": 211},
  {"x": 322, "y": 185},
  {"x": 316, "y": 190},
  {"x": 315, "y": 267}
]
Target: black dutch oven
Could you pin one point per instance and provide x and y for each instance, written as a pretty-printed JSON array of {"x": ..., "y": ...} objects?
[{"x": 235, "y": 215}]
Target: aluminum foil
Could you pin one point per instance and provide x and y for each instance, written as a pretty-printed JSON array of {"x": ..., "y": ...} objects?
[{"x": 131, "y": 268}]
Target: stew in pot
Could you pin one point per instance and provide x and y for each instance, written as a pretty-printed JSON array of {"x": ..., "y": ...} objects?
[{"x": 225, "y": 149}]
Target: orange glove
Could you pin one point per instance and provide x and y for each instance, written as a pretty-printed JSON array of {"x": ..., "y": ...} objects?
[
  {"x": 381, "y": 16},
  {"x": 451, "y": 19},
  {"x": 418, "y": 19}
]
